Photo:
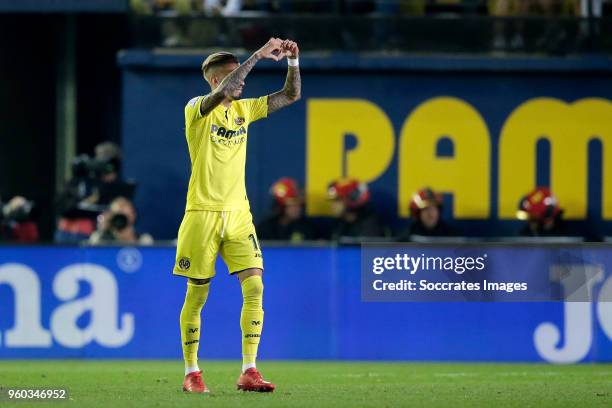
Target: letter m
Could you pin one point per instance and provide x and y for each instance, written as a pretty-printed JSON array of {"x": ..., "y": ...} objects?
[{"x": 569, "y": 128}]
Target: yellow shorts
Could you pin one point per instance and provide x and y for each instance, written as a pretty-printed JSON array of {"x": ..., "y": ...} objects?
[{"x": 204, "y": 234}]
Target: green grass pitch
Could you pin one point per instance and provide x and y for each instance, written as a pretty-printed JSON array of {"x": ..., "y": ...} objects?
[{"x": 135, "y": 383}]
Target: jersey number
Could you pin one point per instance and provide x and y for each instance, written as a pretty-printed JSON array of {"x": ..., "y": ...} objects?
[{"x": 254, "y": 241}]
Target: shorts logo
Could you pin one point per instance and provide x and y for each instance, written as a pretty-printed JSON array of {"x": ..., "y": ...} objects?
[
  {"x": 184, "y": 264},
  {"x": 239, "y": 121}
]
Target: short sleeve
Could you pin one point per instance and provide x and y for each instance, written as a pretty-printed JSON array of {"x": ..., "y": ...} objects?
[
  {"x": 258, "y": 108},
  {"x": 192, "y": 110}
]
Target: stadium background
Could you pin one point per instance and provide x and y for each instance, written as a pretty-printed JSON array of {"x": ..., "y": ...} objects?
[{"x": 66, "y": 89}]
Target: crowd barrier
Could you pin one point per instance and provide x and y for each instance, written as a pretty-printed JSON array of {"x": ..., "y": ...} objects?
[{"x": 123, "y": 302}]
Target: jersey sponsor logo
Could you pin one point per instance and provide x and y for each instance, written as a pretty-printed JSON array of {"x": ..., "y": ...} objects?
[
  {"x": 227, "y": 142},
  {"x": 227, "y": 133},
  {"x": 187, "y": 343},
  {"x": 227, "y": 137},
  {"x": 184, "y": 263},
  {"x": 251, "y": 335}
]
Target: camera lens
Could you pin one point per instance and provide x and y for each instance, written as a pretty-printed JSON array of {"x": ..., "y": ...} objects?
[{"x": 118, "y": 222}]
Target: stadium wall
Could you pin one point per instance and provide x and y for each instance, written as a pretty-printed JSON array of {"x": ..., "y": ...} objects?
[
  {"x": 483, "y": 130},
  {"x": 69, "y": 302},
  {"x": 64, "y": 6}
]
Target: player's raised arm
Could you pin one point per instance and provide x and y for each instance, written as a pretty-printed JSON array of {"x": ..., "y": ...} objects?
[
  {"x": 292, "y": 90},
  {"x": 231, "y": 85}
]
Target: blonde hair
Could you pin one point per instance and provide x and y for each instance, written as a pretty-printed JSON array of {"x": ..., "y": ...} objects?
[{"x": 217, "y": 59}]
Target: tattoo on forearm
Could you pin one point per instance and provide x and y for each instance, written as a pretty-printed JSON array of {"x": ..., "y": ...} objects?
[
  {"x": 229, "y": 85},
  {"x": 232, "y": 82},
  {"x": 290, "y": 93},
  {"x": 210, "y": 102}
]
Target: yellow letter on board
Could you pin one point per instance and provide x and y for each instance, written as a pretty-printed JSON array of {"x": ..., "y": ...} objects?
[
  {"x": 466, "y": 174},
  {"x": 568, "y": 128},
  {"x": 329, "y": 121}
]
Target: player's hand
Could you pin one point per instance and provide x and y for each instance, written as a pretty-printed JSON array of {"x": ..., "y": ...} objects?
[
  {"x": 272, "y": 50},
  {"x": 290, "y": 49}
]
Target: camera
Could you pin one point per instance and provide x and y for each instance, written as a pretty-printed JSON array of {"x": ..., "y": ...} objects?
[
  {"x": 118, "y": 222},
  {"x": 89, "y": 179},
  {"x": 87, "y": 168}
]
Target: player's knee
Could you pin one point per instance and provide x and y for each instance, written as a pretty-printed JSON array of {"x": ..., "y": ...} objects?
[
  {"x": 252, "y": 290},
  {"x": 254, "y": 287}
]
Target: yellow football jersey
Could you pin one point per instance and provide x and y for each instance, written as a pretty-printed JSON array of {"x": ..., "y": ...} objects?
[{"x": 217, "y": 148}]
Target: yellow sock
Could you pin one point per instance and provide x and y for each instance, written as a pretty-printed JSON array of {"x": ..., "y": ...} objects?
[
  {"x": 251, "y": 318},
  {"x": 190, "y": 321}
]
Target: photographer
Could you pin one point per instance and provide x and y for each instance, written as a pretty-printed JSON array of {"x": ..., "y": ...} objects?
[
  {"x": 95, "y": 183},
  {"x": 17, "y": 221},
  {"x": 117, "y": 225}
]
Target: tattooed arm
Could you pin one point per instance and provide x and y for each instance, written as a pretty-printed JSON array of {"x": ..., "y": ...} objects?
[
  {"x": 210, "y": 102},
  {"x": 235, "y": 79},
  {"x": 292, "y": 91}
]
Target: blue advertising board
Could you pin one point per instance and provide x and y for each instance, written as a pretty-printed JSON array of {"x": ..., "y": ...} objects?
[
  {"x": 482, "y": 131},
  {"x": 64, "y": 302}
]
